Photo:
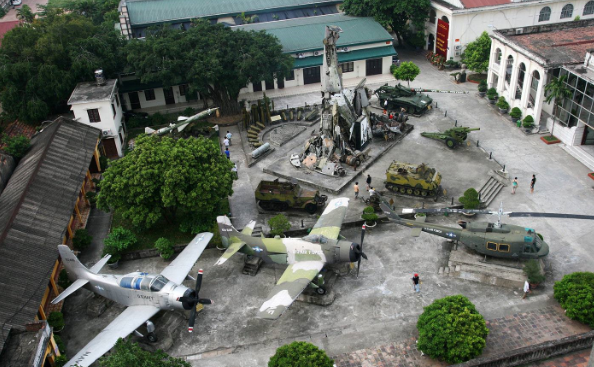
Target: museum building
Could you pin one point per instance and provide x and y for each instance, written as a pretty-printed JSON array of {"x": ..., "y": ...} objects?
[
  {"x": 523, "y": 61},
  {"x": 452, "y": 24}
]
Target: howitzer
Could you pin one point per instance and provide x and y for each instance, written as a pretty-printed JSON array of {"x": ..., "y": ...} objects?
[
  {"x": 421, "y": 90},
  {"x": 451, "y": 137}
]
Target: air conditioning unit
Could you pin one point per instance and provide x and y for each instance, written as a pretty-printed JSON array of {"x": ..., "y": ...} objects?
[
  {"x": 300, "y": 55},
  {"x": 458, "y": 47},
  {"x": 317, "y": 53},
  {"x": 458, "y": 53},
  {"x": 519, "y": 30},
  {"x": 345, "y": 49},
  {"x": 106, "y": 132}
]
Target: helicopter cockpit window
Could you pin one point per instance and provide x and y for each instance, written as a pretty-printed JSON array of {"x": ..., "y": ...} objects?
[
  {"x": 158, "y": 283},
  {"x": 528, "y": 249},
  {"x": 315, "y": 238},
  {"x": 503, "y": 248},
  {"x": 491, "y": 246}
]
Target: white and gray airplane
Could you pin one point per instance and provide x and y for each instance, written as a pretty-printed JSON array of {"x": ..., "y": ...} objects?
[{"x": 145, "y": 294}]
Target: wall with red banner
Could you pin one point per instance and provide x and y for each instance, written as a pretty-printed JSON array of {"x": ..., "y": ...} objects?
[{"x": 441, "y": 44}]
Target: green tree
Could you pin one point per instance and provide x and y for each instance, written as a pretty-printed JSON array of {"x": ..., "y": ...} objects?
[
  {"x": 470, "y": 200},
  {"x": 25, "y": 14},
  {"x": 117, "y": 242},
  {"x": 298, "y": 354},
  {"x": 575, "y": 293},
  {"x": 213, "y": 59},
  {"x": 556, "y": 91},
  {"x": 162, "y": 175},
  {"x": 40, "y": 64},
  {"x": 407, "y": 71},
  {"x": 16, "y": 146},
  {"x": 279, "y": 224},
  {"x": 126, "y": 354},
  {"x": 393, "y": 15},
  {"x": 98, "y": 11},
  {"x": 476, "y": 54},
  {"x": 452, "y": 330}
]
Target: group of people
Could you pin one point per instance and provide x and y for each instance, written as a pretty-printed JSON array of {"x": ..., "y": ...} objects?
[
  {"x": 515, "y": 184},
  {"x": 226, "y": 143},
  {"x": 369, "y": 188}
]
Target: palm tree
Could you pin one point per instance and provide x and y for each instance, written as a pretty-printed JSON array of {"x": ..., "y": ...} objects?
[
  {"x": 25, "y": 14},
  {"x": 558, "y": 91}
]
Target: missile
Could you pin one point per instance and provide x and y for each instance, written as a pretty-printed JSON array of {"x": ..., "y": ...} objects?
[{"x": 182, "y": 123}]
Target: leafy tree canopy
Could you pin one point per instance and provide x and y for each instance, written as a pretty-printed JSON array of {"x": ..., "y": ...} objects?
[
  {"x": 16, "y": 146},
  {"x": 476, "y": 55},
  {"x": 213, "y": 59},
  {"x": 41, "y": 62},
  {"x": 162, "y": 175},
  {"x": 391, "y": 14},
  {"x": 575, "y": 293},
  {"x": 451, "y": 329},
  {"x": 299, "y": 354},
  {"x": 126, "y": 354},
  {"x": 407, "y": 71}
]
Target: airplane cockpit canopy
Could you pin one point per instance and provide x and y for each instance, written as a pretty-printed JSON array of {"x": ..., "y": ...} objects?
[
  {"x": 315, "y": 238},
  {"x": 143, "y": 282}
]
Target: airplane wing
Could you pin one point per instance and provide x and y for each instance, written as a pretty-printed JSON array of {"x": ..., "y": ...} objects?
[
  {"x": 122, "y": 326},
  {"x": 181, "y": 266},
  {"x": 331, "y": 219},
  {"x": 289, "y": 286}
]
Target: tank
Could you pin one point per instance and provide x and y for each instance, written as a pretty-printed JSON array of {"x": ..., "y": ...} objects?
[
  {"x": 415, "y": 180},
  {"x": 277, "y": 195},
  {"x": 451, "y": 137},
  {"x": 412, "y": 100}
]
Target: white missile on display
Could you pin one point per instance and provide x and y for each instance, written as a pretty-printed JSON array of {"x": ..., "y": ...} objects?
[{"x": 182, "y": 123}]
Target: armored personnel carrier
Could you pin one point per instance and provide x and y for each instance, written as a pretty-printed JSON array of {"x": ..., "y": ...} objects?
[
  {"x": 412, "y": 100},
  {"x": 278, "y": 196},
  {"x": 415, "y": 180}
]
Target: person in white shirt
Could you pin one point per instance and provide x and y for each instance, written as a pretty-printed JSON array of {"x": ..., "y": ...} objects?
[
  {"x": 228, "y": 136},
  {"x": 526, "y": 289},
  {"x": 226, "y": 143}
]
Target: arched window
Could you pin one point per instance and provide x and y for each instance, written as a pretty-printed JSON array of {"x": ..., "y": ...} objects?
[
  {"x": 445, "y": 19},
  {"x": 545, "y": 14},
  {"x": 533, "y": 88},
  {"x": 520, "y": 84},
  {"x": 589, "y": 8},
  {"x": 567, "y": 11},
  {"x": 432, "y": 16},
  {"x": 498, "y": 56},
  {"x": 508, "y": 68}
]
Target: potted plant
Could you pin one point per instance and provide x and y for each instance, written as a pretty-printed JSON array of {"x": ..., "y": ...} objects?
[
  {"x": 482, "y": 88},
  {"x": 515, "y": 114},
  {"x": 279, "y": 225},
  {"x": 82, "y": 239},
  {"x": 533, "y": 273},
  {"x": 451, "y": 64},
  {"x": 165, "y": 248},
  {"x": 116, "y": 243},
  {"x": 470, "y": 200},
  {"x": 91, "y": 196},
  {"x": 492, "y": 95},
  {"x": 56, "y": 321},
  {"x": 528, "y": 122},
  {"x": 419, "y": 215},
  {"x": 369, "y": 216},
  {"x": 502, "y": 105}
]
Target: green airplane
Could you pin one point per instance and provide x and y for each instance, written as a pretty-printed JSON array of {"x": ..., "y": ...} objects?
[{"x": 305, "y": 256}]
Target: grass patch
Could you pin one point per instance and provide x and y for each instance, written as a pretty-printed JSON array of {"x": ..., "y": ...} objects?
[
  {"x": 57, "y": 3},
  {"x": 477, "y": 77},
  {"x": 550, "y": 138}
]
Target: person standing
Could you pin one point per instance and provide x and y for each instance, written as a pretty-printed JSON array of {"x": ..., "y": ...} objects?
[
  {"x": 368, "y": 182},
  {"x": 356, "y": 187},
  {"x": 532, "y": 183},
  {"x": 228, "y": 136},
  {"x": 226, "y": 143},
  {"x": 416, "y": 283},
  {"x": 216, "y": 129},
  {"x": 514, "y": 185},
  {"x": 371, "y": 192},
  {"x": 526, "y": 289},
  {"x": 227, "y": 153}
]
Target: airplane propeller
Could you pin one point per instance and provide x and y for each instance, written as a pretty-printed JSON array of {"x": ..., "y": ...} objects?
[
  {"x": 194, "y": 300},
  {"x": 359, "y": 250}
]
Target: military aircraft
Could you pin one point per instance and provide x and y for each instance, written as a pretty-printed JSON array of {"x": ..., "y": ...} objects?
[
  {"x": 305, "y": 256},
  {"x": 182, "y": 123},
  {"x": 492, "y": 239},
  {"x": 145, "y": 294}
]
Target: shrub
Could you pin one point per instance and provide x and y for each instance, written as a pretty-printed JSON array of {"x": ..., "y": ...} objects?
[
  {"x": 104, "y": 162},
  {"x": 82, "y": 239},
  {"x": 60, "y": 344},
  {"x": 502, "y": 103},
  {"x": 16, "y": 146},
  {"x": 2, "y": 12},
  {"x": 56, "y": 320},
  {"x": 528, "y": 121},
  {"x": 369, "y": 214},
  {"x": 575, "y": 293},
  {"x": 482, "y": 86},
  {"x": 189, "y": 111},
  {"x": 533, "y": 272},
  {"x": 300, "y": 354},
  {"x": 165, "y": 247},
  {"x": 157, "y": 119},
  {"x": 63, "y": 280},
  {"x": 118, "y": 241},
  {"x": 279, "y": 224},
  {"x": 61, "y": 360},
  {"x": 470, "y": 200},
  {"x": 492, "y": 93},
  {"x": 451, "y": 329},
  {"x": 516, "y": 113}
]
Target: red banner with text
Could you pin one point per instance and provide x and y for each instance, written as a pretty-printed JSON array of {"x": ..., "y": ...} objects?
[{"x": 441, "y": 45}]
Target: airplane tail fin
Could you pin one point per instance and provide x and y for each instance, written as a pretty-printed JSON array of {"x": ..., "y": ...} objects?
[
  {"x": 387, "y": 208},
  {"x": 76, "y": 271},
  {"x": 227, "y": 231}
]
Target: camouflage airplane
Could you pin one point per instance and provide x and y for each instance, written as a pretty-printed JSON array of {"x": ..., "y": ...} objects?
[{"x": 305, "y": 256}]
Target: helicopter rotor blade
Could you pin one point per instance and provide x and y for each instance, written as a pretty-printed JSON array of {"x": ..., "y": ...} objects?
[
  {"x": 549, "y": 215},
  {"x": 448, "y": 210},
  {"x": 361, "y": 254}
]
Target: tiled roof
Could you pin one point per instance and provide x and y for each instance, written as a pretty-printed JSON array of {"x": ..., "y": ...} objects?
[
  {"x": 157, "y": 11},
  {"x": 306, "y": 34},
  {"x": 468, "y": 4},
  {"x": 35, "y": 208}
]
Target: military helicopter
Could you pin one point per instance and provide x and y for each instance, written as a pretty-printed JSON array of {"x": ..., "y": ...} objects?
[{"x": 499, "y": 240}]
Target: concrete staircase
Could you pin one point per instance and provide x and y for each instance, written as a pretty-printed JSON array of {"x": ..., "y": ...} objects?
[
  {"x": 581, "y": 155},
  {"x": 491, "y": 188}
]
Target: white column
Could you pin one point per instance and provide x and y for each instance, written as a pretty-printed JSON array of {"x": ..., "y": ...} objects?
[
  {"x": 526, "y": 88},
  {"x": 513, "y": 82}
]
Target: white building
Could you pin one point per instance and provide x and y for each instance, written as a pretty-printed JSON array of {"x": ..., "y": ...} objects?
[
  {"x": 453, "y": 24},
  {"x": 98, "y": 105},
  {"x": 523, "y": 61}
]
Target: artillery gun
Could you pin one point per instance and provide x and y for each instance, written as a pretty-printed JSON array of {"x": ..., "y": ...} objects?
[
  {"x": 451, "y": 137},
  {"x": 411, "y": 99}
]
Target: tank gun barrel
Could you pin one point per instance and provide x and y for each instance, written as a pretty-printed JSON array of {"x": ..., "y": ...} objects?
[
  {"x": 421, "y": 90},
  {"x": 465, "y": 129}
]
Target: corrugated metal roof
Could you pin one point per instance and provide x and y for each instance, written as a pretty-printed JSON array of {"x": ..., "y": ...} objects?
[
  {"x": 468, "y": 4},
  {"x": 368, "y": 53},
  {"x": 306, "y": 34},
  {"x": 155, "y": 11}
]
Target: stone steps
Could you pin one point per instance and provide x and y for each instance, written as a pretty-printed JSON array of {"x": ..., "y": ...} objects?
[{"x": 491, "y": 189}]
